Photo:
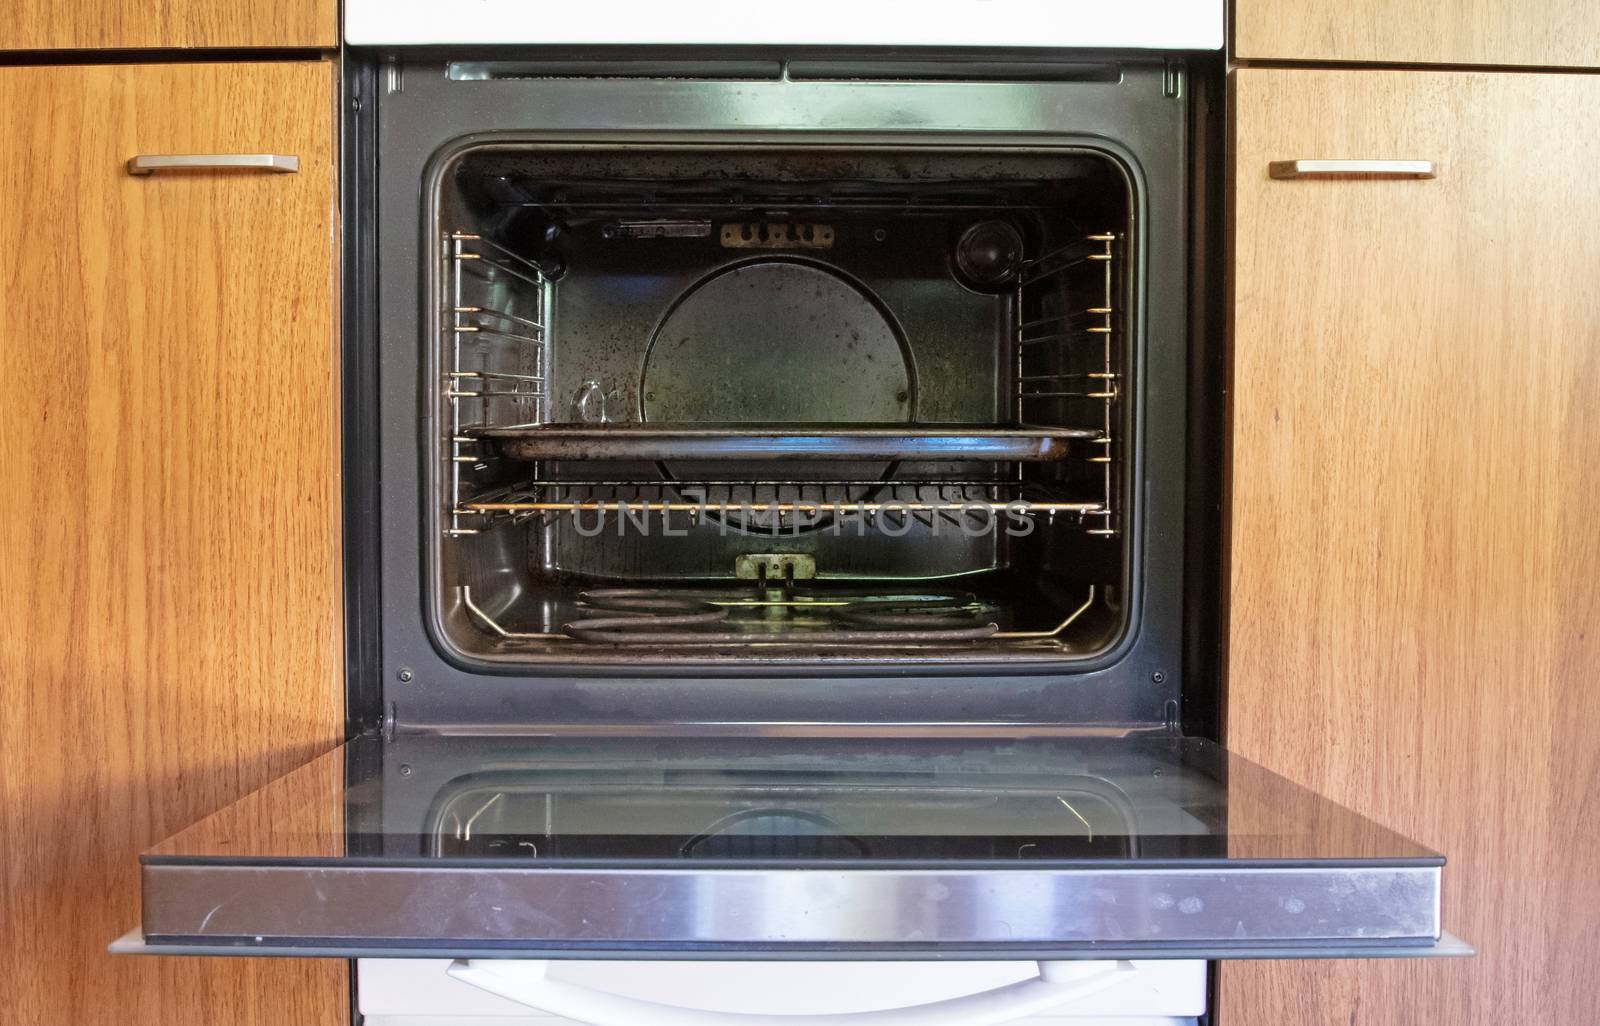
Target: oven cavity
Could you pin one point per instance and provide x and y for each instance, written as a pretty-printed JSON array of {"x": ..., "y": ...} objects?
[{"x": 801, "y": 405}]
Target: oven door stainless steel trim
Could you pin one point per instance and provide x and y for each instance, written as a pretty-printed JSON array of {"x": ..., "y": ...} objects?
[
  {"x": 1154, "y": 911},
  {"x": 1447, "y": 946}
]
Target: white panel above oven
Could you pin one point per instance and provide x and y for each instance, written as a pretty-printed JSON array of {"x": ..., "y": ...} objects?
[{"x": 1130, "y": 24}]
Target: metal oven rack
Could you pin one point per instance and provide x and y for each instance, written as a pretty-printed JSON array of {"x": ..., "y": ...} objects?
[
  {"x": 1064, "y": 330},
  {"x": 498, "y": 360},
  {"x": 922, "y": 501}
]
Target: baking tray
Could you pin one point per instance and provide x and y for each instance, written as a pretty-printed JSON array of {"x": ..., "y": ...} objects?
[{"x": 796, "y": 441}]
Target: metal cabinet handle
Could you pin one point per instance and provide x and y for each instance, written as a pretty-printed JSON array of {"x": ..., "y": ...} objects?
[
  {"x": 272, "y": 163},
  {"x": 1348, "y": 168}
]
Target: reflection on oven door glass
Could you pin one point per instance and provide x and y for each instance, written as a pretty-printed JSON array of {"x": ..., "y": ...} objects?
[{"x": 1084, "y": 817}]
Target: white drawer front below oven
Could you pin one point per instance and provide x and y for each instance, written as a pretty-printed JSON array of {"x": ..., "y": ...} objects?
[{"x": 420, "y": 992}]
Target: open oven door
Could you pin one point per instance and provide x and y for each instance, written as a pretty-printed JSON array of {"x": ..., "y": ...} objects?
[{"x": 844, "y": 847}]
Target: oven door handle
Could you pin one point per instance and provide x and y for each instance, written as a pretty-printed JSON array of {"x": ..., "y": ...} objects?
[{"x": 528, "y": 982}]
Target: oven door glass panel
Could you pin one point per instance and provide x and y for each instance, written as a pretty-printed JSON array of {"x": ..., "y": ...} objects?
[{"x": 779, "y": 847}]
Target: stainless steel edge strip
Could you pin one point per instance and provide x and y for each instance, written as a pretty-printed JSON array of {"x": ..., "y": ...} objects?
[
  {"x": 1447, "y": 946},
  {"x": 776, "y": 907}
]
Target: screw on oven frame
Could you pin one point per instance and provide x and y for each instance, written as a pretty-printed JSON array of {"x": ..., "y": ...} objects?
[
  {"x": 1158, "y": 678},
  {"x": 405, "y": 675}
]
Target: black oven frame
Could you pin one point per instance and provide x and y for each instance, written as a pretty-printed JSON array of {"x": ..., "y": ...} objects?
[{"x": 1160, "y": 116}]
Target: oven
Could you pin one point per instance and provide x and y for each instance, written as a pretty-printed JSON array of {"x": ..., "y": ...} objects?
[
  {"x": 878, "y": 394},
  {"x": 783, "y": 546}
]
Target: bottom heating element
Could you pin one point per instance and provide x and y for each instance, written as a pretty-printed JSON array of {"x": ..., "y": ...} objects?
[
  {"x": 778, "y": 613},
  {"x": 633, "y": 616}
]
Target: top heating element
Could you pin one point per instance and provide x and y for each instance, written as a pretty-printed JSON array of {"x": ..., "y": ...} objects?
[{"x": 1136, "y": 24}]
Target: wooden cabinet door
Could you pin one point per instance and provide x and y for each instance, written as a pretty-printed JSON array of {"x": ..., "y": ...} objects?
[
  {"x": 169, "y": 516},
  {"x": 1550, "y": 33},
  {"x": 1415, "y": 548},
  {"x": 148, "y": 24}
]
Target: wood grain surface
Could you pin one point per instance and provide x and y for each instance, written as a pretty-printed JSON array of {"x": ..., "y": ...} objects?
[
  {"x": 142, "y": 24},
  {"x": 169, "y": 531},
  {"x": 1415, "y": 548},
  {"x": 1547, "y": 33}
]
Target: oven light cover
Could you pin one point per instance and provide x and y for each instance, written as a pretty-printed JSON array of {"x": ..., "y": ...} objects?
[{"x": 1032, "y": 24}]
